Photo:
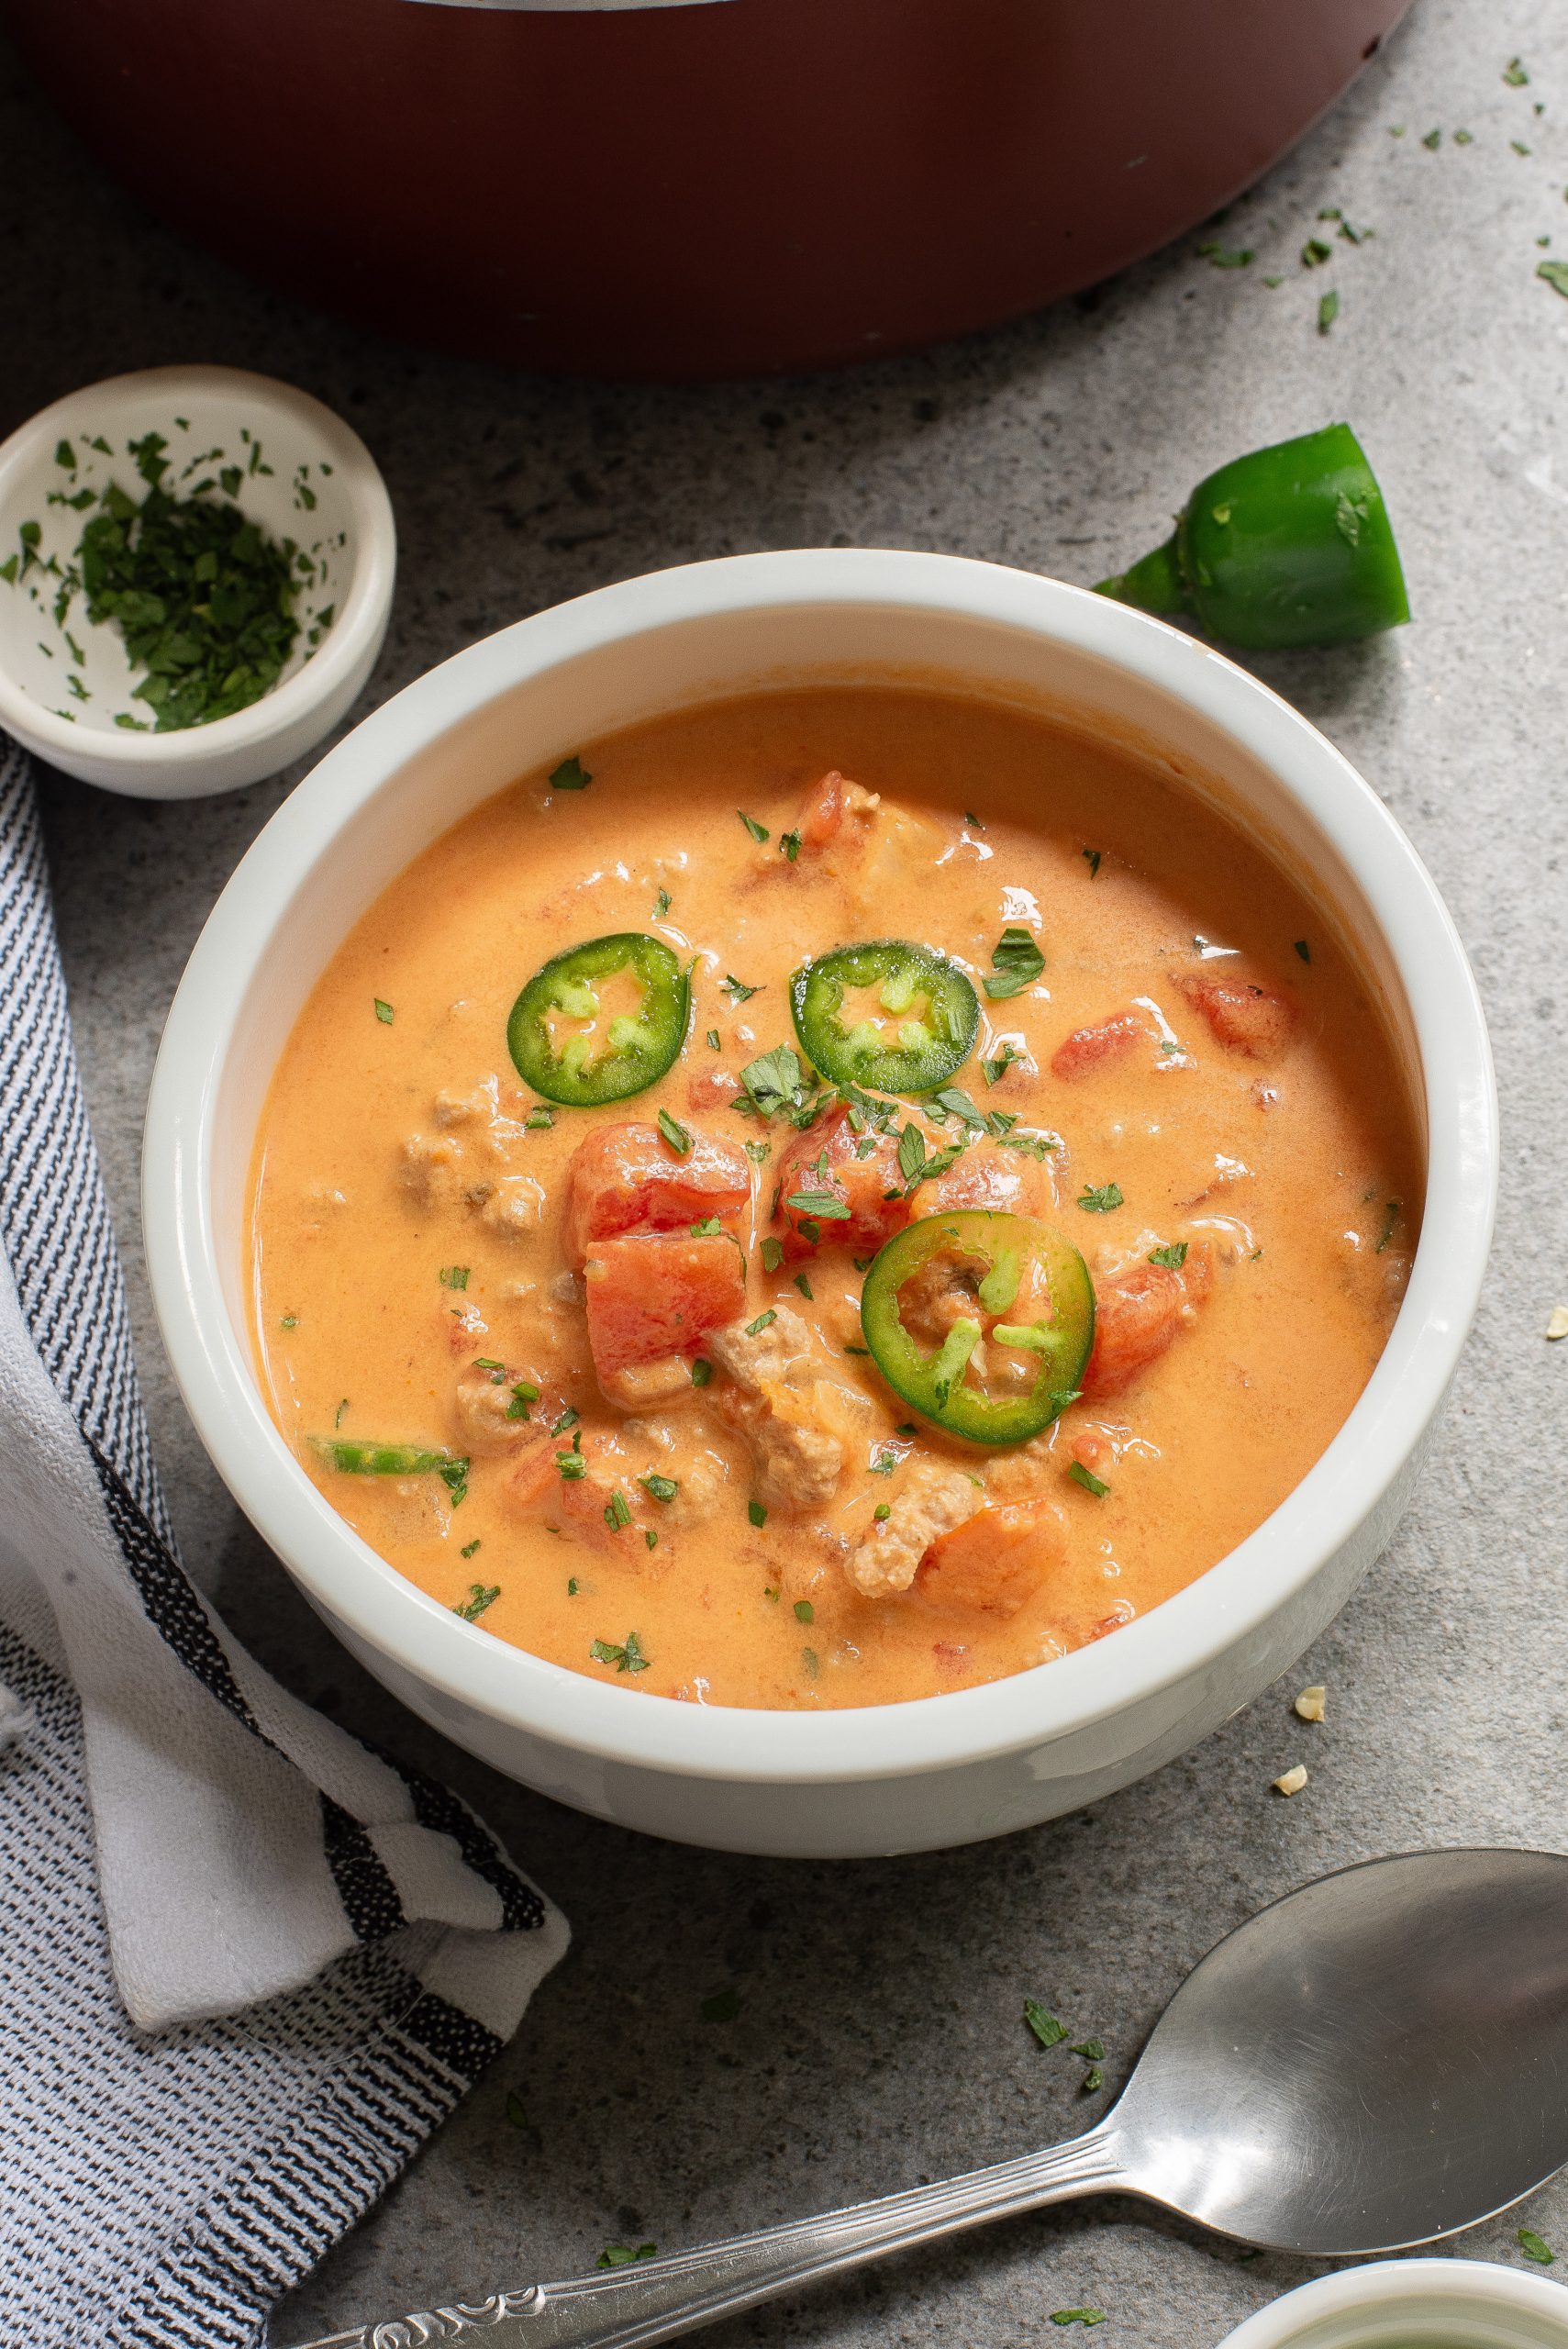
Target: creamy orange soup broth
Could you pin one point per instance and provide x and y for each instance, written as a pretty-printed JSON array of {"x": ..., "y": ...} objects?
[{"x": 589, "y": 1377}]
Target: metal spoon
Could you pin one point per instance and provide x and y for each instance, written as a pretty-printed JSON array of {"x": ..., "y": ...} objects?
[{"x": 1376, "y": 2060}]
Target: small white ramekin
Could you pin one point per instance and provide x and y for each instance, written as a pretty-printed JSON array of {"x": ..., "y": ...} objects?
[
  {"x": 303, "y": 475},
  {"x": 1414, "y": 2304},
  {"x": 941, "y": 1770}
]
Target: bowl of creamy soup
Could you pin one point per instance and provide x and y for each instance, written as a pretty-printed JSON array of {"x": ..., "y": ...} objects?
[{"x": 823, "y": 1201}]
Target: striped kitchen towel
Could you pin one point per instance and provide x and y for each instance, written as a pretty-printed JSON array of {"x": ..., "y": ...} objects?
[{"x": 246, "y": 1963}]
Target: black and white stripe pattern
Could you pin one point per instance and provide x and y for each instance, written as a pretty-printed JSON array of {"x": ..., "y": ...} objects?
[{"x": 167, "y": 2177}]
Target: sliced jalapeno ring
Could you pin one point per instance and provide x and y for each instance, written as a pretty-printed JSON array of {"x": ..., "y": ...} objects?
[
  {"x": 1021, "y": 1289},
  {"x": 614, "y": 1052},
  {"x": 919, "y": 1027}
]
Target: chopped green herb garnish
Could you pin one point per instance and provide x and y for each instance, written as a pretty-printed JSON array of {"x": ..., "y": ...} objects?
[
  {"x": 773, "y": 1254},
  {"x": 650, "y": 1539},
  {"x": 736, "y": 991},
  {"x": 1100, "y": 1198},
  {"x": 857, "y": 1350},
  {"x": 453, "y": 1276},
  {"x": 757, "y": 1513},
  {"x": 1173, "y": 1256},
  {"x": 663, "y": 1488},
  {"x": 775, "y": 1086},
  {"x": 712, "y": 1043},
  {"x": 827, "y": 1207},
  {"x": 804, "y": 1611},
  {"x": 468, "y": 1549},
  {"x": 1043, "y": 2024},
  {"x": 338, "y": 1414},
  {"x": 884, "y": 1463},
  {"x": 763, "y": 1321},
  {"x": 701, "y": 1372},
  {"x": 810, "y": 1664},
  {"x": 723, "y": 2007},
  {"x": 882, "y": 1512},
  {"x": 289, "y": 1321},
  {"x": 629, "y": 1658},
  {"x": 1327, "y": 311},
  {"x": 480, "y": 1595},
  {"x": 616, "y": 1514},
  {"x": 1016, "y": 962},
  {"x": 573, "y": 1467},
  {"x": 789, "y": 842},
  {"x": 708, "y": 1227},
  {"x": 568, "y": 1419},
  {"x": 1091, "y": 1483},
  {"x": 973, "y": 821},
  {"x": 675, "y": 1133},
  {"x": 803, "y": 1285},
  {"x": 1303, "y": 949},
  {"x": 759, "y": 831},
  {"x": 539, "y": 1119},
  {"x": 572, "y": 1585},
  {"x": 1390, "y": 1217},
  {"x": 384, "y": 1012},
  {"x": 571, "y": 775},
  {"x": 201, "y": 596},
  {"x": 616, "y": 2255},
  {"x": 996, "y": 1067},
  {"x": 1092, "y": 857},
  {"x": 1531, "y": 2244},
  {"x": 524, "y": 1394},
  {"x": 662, "y": 904}
]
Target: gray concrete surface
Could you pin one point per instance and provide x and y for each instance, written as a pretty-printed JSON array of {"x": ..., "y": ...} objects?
[{"x": 879, "y": 2037}]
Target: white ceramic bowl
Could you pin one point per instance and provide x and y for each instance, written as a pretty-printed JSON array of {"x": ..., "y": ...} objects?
[
  {"x": 302, "y": 476},
  {"x": 1414, "y": 2304},
  {"x": 945, "y": 1769}
]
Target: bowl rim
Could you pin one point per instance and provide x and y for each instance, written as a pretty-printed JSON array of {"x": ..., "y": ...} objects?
[
  {"x": 1184, "y": 1637},
  {"x": 1378, "y": 2287},
  {"x": 351, "y": 636}
]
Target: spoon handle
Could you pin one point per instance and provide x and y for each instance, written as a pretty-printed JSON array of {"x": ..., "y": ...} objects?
[{"x": 654, "y": 2300}]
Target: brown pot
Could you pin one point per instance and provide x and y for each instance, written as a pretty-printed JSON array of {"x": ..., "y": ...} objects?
[{"x": 737, "y": 187}]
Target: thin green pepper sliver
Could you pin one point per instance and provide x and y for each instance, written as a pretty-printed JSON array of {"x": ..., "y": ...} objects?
[
  {"x": 605, "y": 1059},
  {"x": 1289, "y": 546},
  {"x": 932, "y": 1011},
  {"x": 1005, "y": 1251},
  {"x": 353, "y": 1459}
]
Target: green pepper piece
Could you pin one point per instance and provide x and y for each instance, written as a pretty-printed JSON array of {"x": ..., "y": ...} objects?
[
  {"x": 360, "y": 1459},
  {"x": 1290, "y": 546},
  {"x": 929, "y": 1047},
  {"x": 630, "y": 1053},
  {"x": 1003, "y": 1253}
]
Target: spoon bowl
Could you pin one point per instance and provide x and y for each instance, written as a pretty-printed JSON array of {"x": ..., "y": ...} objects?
[{"x": 1376, "y": 2060}]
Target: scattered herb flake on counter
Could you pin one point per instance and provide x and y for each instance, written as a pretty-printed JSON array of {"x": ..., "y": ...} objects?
[
  {"x": 1519, "y": 147},
  {"x": 1432, "y": 140},
  {"x": 675, "y": 1133},
  {"x": 629, "y": 1658},
  {"x": 1079, "y": 1474},
  {"x": 1100, "y": 1198},
  {"x": 1078, "y": 2316},
  {"x": 1044, "y": 2025},
  {"x": 1173, "y": 1256},
  {"x": 1514, "y": 73},
  {"x": 759, "y": 831},
  {"x": 618, "y": 2254},
  {"x": 1093, "y": 2051},
  {"x": 1016, "y": 962},
  {"x": 1224, "y": 257},
  {"x": 1328, "y": 310},
  {"x": 384, "y": 1012},
  {"x": 1464, "y": 138},
  {"x": 1093, "y": 2080},
  {"x": 517, "y": 2111},
  {"x": 201, "y": 596},
  {"x": 571, "y": 775},
  {"x": 1555, "y": 274},
  {"x": 1531, "y": 2244},
  {"x": 1315, "y": 252},
  {"x": 723, "y": 2007},
  {"x": 480, "y": 1595}
]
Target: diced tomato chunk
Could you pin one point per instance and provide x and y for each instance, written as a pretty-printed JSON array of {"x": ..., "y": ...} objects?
[
  {"x": 656, "y": 1294},
  {"x": 1137, "y": 1313},
  {"x": 1243, "y": 1016},
  {"x": 826, "y": 1159},
  {"x": 1107, "y": 1039},
  {"x": 576, "y": 1505},
  {"x": 627, "y": 1177},
  {"x": 997, "y": 1559},
  {"x": 823, "y": 812}
]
